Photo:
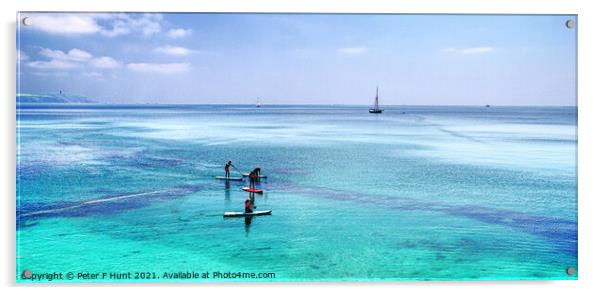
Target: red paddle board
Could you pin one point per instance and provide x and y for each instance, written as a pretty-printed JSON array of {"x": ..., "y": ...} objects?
[{"x": 252, "y": 190}]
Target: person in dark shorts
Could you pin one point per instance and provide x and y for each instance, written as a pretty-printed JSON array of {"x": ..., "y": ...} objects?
[
  {"x": 252, "y": 179},
  {"x": 227, "y": 168},
  {"x": 254, "y": 176}
]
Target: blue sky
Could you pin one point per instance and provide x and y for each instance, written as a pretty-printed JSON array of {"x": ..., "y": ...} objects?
[{"x": 300, "y": 58}]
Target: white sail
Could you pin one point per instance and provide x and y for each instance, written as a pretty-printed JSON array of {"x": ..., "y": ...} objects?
[
  {"x": 376, "y": 100},
  {"x": 376, "y": 109}
]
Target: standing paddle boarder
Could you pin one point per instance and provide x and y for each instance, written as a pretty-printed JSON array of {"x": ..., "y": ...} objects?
[{"x": 227, "y": 168}]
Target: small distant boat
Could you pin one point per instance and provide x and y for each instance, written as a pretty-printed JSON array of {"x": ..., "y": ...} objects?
[
  {"x": 487, "y": 106},
  {"x": 258, "y": 104},
  {"x": 376, "y": 109}
]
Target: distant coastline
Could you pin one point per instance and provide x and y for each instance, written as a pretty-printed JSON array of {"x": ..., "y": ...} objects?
[
  {"x": 63, "y": 98},
  {"x": 52, "y": 98}
]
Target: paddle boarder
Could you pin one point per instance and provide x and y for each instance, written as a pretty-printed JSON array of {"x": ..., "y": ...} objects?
[
  {"x": 227, "y": 168},
  {"x": 248, "y": 206},
  {"x": 254, "y": 176}
]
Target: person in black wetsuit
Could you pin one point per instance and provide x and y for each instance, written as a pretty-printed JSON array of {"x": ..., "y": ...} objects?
[
  {"x": 227, "y": 168},
  {"x": 252, "y": 179},
  {"x": 254, "y": 176}
]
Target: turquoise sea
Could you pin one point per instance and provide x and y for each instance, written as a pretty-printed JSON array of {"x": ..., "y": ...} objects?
[{"x": 415, "y": 193}]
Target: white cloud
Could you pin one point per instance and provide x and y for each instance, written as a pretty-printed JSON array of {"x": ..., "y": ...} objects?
[
  {"x": 92, "y": 74},
  {"x": 79, "y": 55},
  {"x": 123, "y": 24},
  {"x": 74, "y": 58},
  {"x": 104, "y": 62},
  {"x": 469, "y": 50},
  {"x": 54, "y": 54},
  {"x": 174, "y": 50},
  {"x": 50, "y": 74},
  {"x": 167, "y": 68},
  {"x": 52, "y": 64},
  {"x": 21, "y": 56},
  {"x": 352, "y": 50},
  {"x": 61, "y": 23},
  {"x": 477, "y": 50},
  {"x": 72, "y": 55},
  {"x": 178, "y": 33},
  {"x": 119, "y": 28},
  {"x": 110, "y": 25}
]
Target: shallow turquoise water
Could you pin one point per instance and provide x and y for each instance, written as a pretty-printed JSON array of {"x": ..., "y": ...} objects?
[{"x": 415, "y": 193}]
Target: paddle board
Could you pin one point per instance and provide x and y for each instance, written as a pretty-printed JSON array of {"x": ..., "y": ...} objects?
[
  {"x": 260, "y": 176},
  {"x": 243, "y": 214},
  {"x": 252, "y": 190},
  {"x": 229, "y": 178}
]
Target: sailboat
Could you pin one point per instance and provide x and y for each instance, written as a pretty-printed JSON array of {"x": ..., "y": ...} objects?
[
  {"x": 376, "y": 109},
  {"x": 258, "y": 104}
]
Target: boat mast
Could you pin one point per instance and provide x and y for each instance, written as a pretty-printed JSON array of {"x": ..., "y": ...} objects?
[{"x": 376, "y": 100}]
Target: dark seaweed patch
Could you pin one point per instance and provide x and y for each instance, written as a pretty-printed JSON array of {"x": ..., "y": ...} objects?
[
  {"x": 562, "y": 233},
  {"x": 108, "y": 204}
]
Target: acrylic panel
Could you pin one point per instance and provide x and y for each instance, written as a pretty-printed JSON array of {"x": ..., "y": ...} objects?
[{"x": 390, "y": 147}]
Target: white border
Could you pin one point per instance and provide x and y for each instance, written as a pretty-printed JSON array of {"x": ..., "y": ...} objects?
[{"x": 590, "y": 113}]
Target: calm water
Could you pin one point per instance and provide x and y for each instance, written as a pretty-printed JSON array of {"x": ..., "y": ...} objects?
[{"x": 414, "y": 193}]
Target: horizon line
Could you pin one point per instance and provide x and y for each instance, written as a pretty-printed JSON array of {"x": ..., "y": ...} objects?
[{"x": 294, "y": 104}]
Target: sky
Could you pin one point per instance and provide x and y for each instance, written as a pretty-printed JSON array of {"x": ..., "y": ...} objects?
[{"x": 300, "y": 58}]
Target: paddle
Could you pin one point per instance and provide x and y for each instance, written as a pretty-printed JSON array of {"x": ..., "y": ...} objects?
[{"x": 237, "y": 170}]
